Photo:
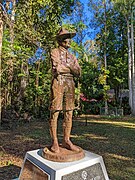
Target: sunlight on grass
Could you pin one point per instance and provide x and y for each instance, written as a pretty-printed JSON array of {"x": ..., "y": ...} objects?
[
  {"x": 10, "y": 160},
  {"x": 74, "y": 136},
  {"x": 123, "y": 124},
  {"x": 119, "y": 157},
  {"x": 27, "y": 139},
  {"x": 94, "y": 136}
]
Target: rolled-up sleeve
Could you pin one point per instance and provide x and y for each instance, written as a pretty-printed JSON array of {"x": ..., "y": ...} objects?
[
  {"x": 55, "y": 61},
  {"x": 75, "y": 68}
]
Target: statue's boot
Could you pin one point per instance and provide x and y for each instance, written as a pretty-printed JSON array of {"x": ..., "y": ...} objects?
[
  {"x": 53, "y": 132},
  {"x": 67, "y": 125}
]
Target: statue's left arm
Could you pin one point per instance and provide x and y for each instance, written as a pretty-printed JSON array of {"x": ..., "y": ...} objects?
[{"x": 74, "y": 67}]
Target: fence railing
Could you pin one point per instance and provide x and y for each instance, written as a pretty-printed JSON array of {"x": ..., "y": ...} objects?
[{"x": 111, "y": 111}]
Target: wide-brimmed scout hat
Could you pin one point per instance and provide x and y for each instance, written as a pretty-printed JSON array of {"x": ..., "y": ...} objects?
[{"x": 65, "y": 34}]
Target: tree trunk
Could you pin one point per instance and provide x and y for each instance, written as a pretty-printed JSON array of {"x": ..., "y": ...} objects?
[
  {"x": 133, "y": 64},
  {"x": 10, "y": 70},
  {"x": 129, "y": 65},
  {"x": 37, "y": 100},
  {"x": 24, "y": 80},
  {"x": 1, "y": 36},
  {"x": 105, "y": 61},
  {"x": 117, "y": 92}
]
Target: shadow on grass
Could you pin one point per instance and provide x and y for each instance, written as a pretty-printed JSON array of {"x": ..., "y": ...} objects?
[
  {"x": 105, "y": 137},
  {"x": 24, "y": 138},
  {"x": 15, "y": 143},
  {"x": 9, "y": 172}
]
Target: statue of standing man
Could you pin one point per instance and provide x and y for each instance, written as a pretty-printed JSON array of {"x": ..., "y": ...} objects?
[{"x": 64, "y": 67}]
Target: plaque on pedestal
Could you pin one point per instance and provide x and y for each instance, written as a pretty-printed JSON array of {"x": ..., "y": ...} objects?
[{"x": 35, "y": 167}]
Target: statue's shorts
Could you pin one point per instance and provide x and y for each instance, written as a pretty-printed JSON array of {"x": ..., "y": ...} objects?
[{"x": 62, "y": 93}]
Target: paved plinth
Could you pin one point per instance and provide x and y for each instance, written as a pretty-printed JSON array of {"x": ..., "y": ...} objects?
[{"x": 35, "y": 167}]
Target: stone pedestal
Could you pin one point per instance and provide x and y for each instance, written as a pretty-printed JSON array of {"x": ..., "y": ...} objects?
[{"x": 35, "y": 167}]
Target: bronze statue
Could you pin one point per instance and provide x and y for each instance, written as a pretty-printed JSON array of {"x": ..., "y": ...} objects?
[{"x": 64, "y": 67}]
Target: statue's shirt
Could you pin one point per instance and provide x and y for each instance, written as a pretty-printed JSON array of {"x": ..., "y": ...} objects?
[{"x": 64, "y": 62}]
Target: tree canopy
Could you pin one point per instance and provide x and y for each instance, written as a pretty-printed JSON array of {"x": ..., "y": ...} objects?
[{"x": 27, "y": 34}]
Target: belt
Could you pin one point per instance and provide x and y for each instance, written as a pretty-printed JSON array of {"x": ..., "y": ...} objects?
[{"x": 66, "y": 75}]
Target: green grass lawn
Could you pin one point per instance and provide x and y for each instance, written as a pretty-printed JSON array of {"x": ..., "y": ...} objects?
[{"x": 113, "y": 139}]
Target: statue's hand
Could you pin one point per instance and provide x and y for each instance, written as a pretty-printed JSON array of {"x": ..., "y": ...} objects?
[
  {"x": 70, "y": 64},
  {"x": 63, "y": 69}
]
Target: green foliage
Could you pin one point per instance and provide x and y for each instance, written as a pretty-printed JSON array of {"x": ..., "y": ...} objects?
[
  {"x": 36, "y": 25},
  {"x": 89, "y": 80},
  {"x": 116, "y": 50}
]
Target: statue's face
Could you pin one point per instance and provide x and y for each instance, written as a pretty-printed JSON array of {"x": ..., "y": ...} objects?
[{"x": 66, "y": 43}]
